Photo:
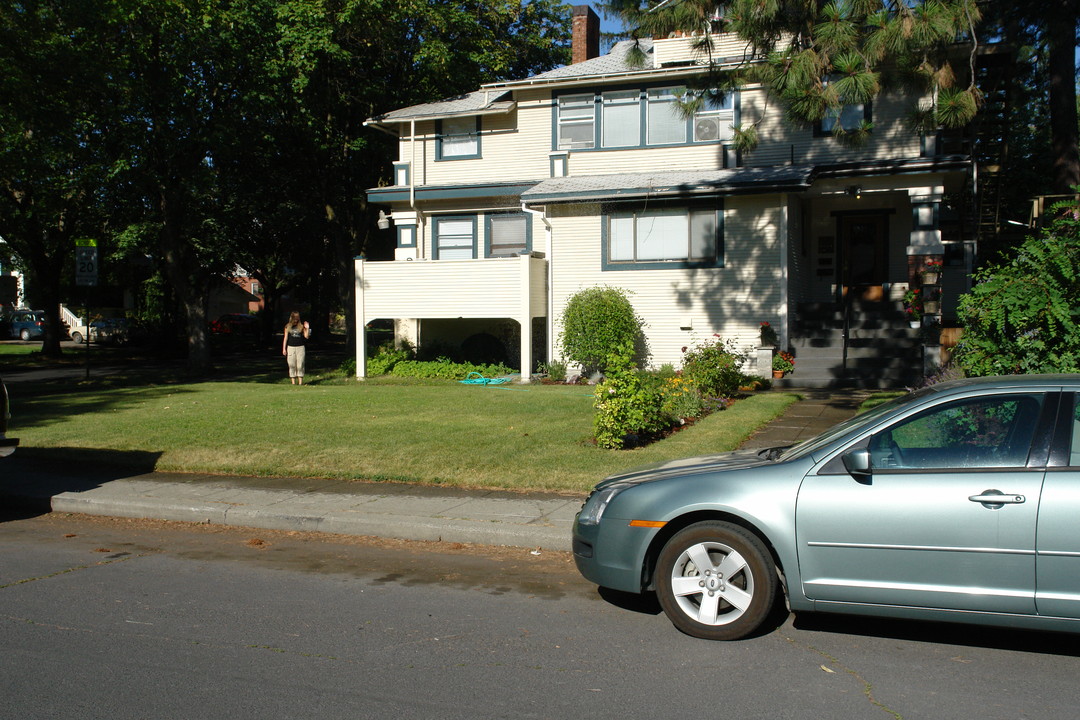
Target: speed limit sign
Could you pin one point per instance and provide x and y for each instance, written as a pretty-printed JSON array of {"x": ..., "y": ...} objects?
[{"x": 86, "y": 262}]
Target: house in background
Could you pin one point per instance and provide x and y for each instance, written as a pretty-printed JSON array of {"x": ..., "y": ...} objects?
[{"x": 508, "y": 200}]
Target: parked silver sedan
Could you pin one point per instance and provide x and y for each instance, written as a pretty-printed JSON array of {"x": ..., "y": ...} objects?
[{"x": 958, "y": 502}]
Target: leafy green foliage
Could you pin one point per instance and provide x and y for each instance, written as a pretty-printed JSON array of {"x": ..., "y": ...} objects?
[
  {"x": 824, "y": 55},
  {"x": 596, "y": 323},
  {"x": 385, "y": 358},
  {"x": 1023, "y": 315},
  {"x": 627, "y": 403},
  {"x": 445, "y": 369},
  {"x": 715, "y": 367}
]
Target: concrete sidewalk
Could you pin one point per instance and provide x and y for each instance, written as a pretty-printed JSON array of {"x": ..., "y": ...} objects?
[{"x": 409, "y": 512}]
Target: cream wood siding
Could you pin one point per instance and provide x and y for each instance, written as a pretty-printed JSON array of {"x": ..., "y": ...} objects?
[
  {"x": 682, "y": 307},
  {"x": 725, "y": 46},
  {"x": 781, "y": 142},
  {"x": 453, "y": 288},
  {"x": 513, "y": 147},
  {"x": 682, "y": 157}
]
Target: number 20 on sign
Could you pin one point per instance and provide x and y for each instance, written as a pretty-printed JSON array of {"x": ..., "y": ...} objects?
[{"x": 86, "y": 261}]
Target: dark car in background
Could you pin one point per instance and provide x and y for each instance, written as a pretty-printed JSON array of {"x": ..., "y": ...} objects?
[
  {"x": 26, "y": 324},
  {"x": 235, "y": 324}
]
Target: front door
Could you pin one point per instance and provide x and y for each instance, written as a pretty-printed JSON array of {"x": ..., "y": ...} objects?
[{"x": 864, "y": 257}]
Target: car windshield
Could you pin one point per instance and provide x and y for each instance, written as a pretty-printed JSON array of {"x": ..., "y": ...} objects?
[{"x": 807, "y": 447}]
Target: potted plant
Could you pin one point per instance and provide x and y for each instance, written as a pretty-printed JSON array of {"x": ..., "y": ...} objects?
[
  {"x": 913, "y": 306},
  {"x": 931, "y": 272},
  {"x": 782, "y": 363},
  {"x": 768, "y": 335}
]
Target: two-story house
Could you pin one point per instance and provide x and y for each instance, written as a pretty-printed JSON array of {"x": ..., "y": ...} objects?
[{"x": 508, "y": 200}]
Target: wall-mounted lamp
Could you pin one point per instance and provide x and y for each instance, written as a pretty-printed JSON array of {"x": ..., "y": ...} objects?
[
  {"x": 384, "y": 221},
  {"x": 855, "y": 191}
]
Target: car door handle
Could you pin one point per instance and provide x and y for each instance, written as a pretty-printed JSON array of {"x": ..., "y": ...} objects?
[{"x": 996, "y": 497}]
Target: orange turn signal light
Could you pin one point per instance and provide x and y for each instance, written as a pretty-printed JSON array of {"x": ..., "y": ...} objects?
[{"x": 648, "y": 523}]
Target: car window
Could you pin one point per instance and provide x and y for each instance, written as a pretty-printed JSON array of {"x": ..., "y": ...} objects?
[{"x": 989, "y": 432}]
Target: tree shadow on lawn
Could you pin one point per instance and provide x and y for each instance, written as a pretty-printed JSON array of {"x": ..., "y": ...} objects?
[{"x": 34, "y": 476}]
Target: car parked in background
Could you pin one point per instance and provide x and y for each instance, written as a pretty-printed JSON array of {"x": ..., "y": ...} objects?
[
  {"x": 107, "y": 331},
  {"x": 235, "y": 324},
  {"x": 26, "y": 324},
  {"x": 957, "y": 502}
]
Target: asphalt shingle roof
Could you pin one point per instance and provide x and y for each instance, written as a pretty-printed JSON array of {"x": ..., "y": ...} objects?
[
  {"x": 458, "y": 105},
  {"x": 493, "y": 97},
  {"x": 669, "y": 183}
]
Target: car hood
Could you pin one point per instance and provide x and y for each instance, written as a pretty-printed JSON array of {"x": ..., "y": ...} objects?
[{"x": 737, "y": 460}]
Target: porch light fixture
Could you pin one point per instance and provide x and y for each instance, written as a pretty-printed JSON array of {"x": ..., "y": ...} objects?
[
  {"x": 384, "y": 221},
  {"x": 855, "y": 191}
]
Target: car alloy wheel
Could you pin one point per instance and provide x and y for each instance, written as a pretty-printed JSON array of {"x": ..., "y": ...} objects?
[
  {"x": 24, "y": 334},
  {"x": 77, "y": 337},
  {"x": 716, "y": 581}
]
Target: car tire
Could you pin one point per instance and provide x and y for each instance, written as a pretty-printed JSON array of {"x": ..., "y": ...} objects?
[
  {"x": 77, "y": 337},
  {"x": 732, "y": 596},
  {"x": 24, "y": 335}
]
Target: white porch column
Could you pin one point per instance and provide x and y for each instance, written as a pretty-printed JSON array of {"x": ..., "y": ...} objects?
[
  {"x": 361, "y": 320},
  {"x": 525, "y": 315}
]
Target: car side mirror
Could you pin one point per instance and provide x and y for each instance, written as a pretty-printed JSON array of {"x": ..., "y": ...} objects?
[{"x": 857, "y": 463}]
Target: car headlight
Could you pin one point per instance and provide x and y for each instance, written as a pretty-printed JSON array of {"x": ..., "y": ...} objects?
[{"x": 596, "y": 504}]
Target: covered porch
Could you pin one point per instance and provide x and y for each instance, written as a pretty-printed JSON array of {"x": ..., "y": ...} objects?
[{"x": 509, "y": 287}]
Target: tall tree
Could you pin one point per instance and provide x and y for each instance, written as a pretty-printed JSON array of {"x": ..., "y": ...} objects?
[
  {"x": 821, "y": 56},
  {"x": 53, "y": 163}
]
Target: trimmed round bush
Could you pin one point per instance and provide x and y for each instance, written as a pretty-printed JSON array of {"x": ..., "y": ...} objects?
[{"x": 595, "y": 323}]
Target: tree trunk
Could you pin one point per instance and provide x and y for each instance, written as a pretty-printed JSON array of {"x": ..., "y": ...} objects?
[
  {"x": 190, "y": 282},
  {"x": 1062, "y": 16}
]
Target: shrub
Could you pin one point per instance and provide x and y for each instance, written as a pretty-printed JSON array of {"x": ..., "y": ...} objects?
[
  {"x": 385, "y": 358},
  {"x": 627, "y": 403},
  {"x": 596, "y": 323},
  {"x": 681, "y": 399},
  {"x": 556, "y": 370},
  {"x": 1023, "y": 315},
  {"x": 445, "y": 369},
  {"x": 715, "y": 367}
]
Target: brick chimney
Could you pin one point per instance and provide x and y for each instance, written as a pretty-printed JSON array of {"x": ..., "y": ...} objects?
[{"x": 585, "y": 33}]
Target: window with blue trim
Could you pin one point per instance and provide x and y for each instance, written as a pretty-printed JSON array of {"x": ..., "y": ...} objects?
[
  {"x": 637, "y": 117},
  {"x": 454, "y": 238},
  {"x": 458, "y": 138},
  {"x": 507, "y": 234},
  {"x": 663, "y": 237},
  {"x": 846, "y": 118}
]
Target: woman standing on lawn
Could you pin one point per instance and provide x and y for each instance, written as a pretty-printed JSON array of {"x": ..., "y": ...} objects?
[{"x": 293, "y": 346}]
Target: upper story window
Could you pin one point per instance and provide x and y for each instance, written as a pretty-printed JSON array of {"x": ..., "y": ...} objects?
[
  {"x": 455, "y": 238},
  {"x": 716, "y": 119},
  {"x": 507, "y": 234},
  {"x": 621, "y": 118},
  {"x": 663, "y": 237},
  {"x": 576, "y": 122},
  {"x": 457, "y": 138},
  {"x": 640, "y": 118},
  {"x": 846, "y": 118}
]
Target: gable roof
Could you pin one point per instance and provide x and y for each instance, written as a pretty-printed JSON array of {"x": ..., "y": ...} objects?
[{"x": 494, "y": 98}]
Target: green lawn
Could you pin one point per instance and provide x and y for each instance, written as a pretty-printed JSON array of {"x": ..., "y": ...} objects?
[{"x": 534, "y": 437}]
